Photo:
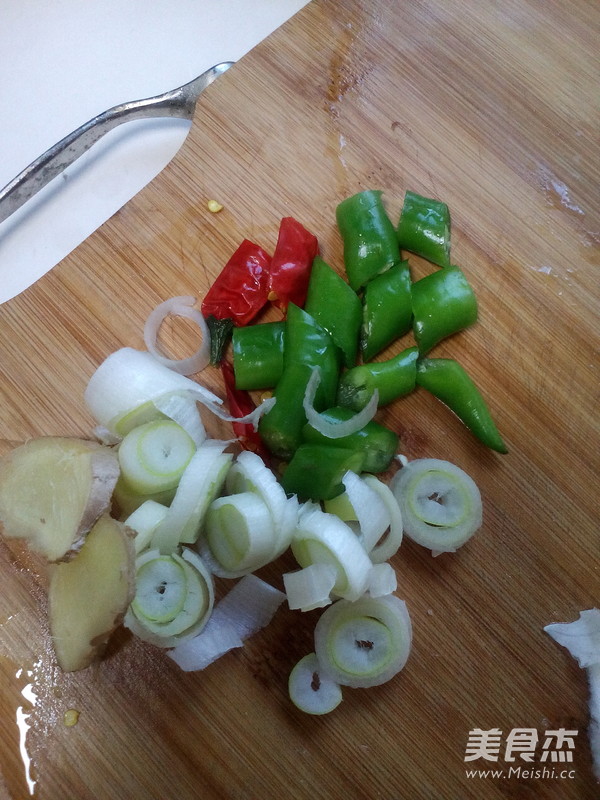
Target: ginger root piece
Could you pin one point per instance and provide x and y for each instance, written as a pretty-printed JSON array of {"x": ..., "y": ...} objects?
[
  {"x": 90, "y": 594},
  {"x": 53, "y": 489}
]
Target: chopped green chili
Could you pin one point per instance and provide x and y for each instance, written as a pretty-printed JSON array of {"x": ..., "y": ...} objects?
[
  {"x": 387, "y": 309},
  {"x": 447, "y": 380},
  {"x": 392, "y": 378},
  {"x": 258, "y": 355},
  {"x": 424, "y": 228},
  {"x": 377, "y": 443},
  {"x": 307, "y": 342},
  {"x": 335, "y": 306},
  {"x": 281, "y": 427},
  {"x": 315, "y": 471},
  {"x": 443, "y": 303},
  {"x": 370, "y": 240},
  {"x": 307, "y": 345}
]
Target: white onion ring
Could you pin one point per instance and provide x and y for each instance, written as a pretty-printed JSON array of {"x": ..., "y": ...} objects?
[
  {"x": 178, "y": 307},
  {"x": 335, "y": 430}
]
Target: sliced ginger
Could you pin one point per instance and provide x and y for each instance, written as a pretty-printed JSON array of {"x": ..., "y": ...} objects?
[
  {"x": 90, "y": 593},
  {"x": 53, "y": 489}
]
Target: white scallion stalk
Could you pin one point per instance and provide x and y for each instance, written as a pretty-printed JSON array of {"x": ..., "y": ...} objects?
[
  {"x": 239, "y": 534},
  {"x": 144, "y": 521},
  {"x": 215, "y": 639},
  {"x": 127, "y": 501},
  {"x": 121, "y": 392},
  {"x": 312, "y": 691},
  {"x": 311, "y": 587},
  {"x": 364, "y": 643},
  {"x": 582, "y": 640},
  {"x": 335, "y": 430},
  {"x": 183, "y": 409},
  {"x": 250, "y": 474},
  {"x": 174, "y": 597},
  {"x": 322, "y": 538},
  {"x": 130, "y": 386},
  {"x": 341, "y": 506},
  {"x": 153, "y": 456},
  {"x": 440, "y": 504},
  {"x": 244, "y": 610},
  {"x": 382, "y": 580},
  {"x": 178, "y": 307},
  {"x": 371, "y": 513},
  {"x": 390, "y": 542},
  {"x": 200, "y": 483},
  {"x": 250, "y": 605}
]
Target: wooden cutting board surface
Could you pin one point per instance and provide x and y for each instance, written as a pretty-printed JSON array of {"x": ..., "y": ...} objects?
[{"x": 492, "y": 107}]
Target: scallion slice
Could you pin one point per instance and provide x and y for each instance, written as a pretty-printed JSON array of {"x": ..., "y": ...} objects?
[
  {"x": 389, "y": 544},
  {"x": 239, "y": 533},
  {"x": 200, "y": 483},
  {"x": 371, "y": 513},
  {"x": 121, "y": 392},
  {"x": 382, "y": 580},
  {"x": 312, "y": 691},
  {"x": 178, "y": 307},
  {"x": 173, "y": 600},
  {"x": 337, "y": 429},
  {"x": 130, "y": 386},
  {"x": 370, "y": 508},
  {"x": 144, "y": 521},
  {"x": 322, "y": 538},
  {"x": 243, "y": 611},
  {"x": 310, "y": 587},
  {"x": 250, "y": 474},
  {"x": 153, "y": 456},
  {"x": 440, "y": 504},
  {"x": 364, "y": 643}
]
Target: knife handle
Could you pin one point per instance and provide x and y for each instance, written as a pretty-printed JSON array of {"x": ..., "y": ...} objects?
[{"x": 179, "y": 102}]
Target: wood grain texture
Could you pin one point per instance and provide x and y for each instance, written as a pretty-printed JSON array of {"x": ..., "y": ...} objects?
[{"x": 493, "y": 108}]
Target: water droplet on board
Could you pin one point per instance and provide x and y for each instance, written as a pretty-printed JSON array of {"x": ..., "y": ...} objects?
[
  {"x": 23, "y": 714},
  {"x": 557, "y": 192},
  {"x": 23, "y": 727}
]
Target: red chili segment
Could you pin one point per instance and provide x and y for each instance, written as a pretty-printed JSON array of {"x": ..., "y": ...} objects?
[
  {"x": 241, "y": 289},
  {"x": 241, "y": 403},
  {"x": 291, "y": 265}
]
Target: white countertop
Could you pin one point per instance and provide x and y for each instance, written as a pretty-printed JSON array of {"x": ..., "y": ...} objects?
[{"x": 63, "y": 63}]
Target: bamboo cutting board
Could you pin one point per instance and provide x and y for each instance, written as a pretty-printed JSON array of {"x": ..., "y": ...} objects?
[{"x": 494, "y": 109}]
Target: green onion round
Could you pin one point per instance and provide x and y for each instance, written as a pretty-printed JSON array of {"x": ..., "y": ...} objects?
[
  {"x": 364, "y": 643},
  {"x": 441, "y": 505}
]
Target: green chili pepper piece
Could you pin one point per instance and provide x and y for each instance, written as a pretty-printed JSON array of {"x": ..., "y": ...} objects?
[
  {"x": 377, "y": 443},
  {"x": 316, "y": 471},
  {"x": 220, "y": 330},
  {"x": 307, "y": 345},
  {"x": 450, "y": 383},
  {"x": 443, "y": 303},
  {"x": 387, "y": 309},
  {"x": 370, "y": 240},
  {"x": 335, "y": 306},
  {"x": 281, "y": 427},
  {"x": 307, "y": 342},
  {"x": 424, "y": 228},
  {"x": 258, "y": 355},
  {"x": 392, "y": 378}
]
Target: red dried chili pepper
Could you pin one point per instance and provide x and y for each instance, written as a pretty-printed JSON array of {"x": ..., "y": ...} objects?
[
  {"x": 240, "y": 403},
  {"x": 238, "y": 294},
  {"x": 291, "y": 265}
]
